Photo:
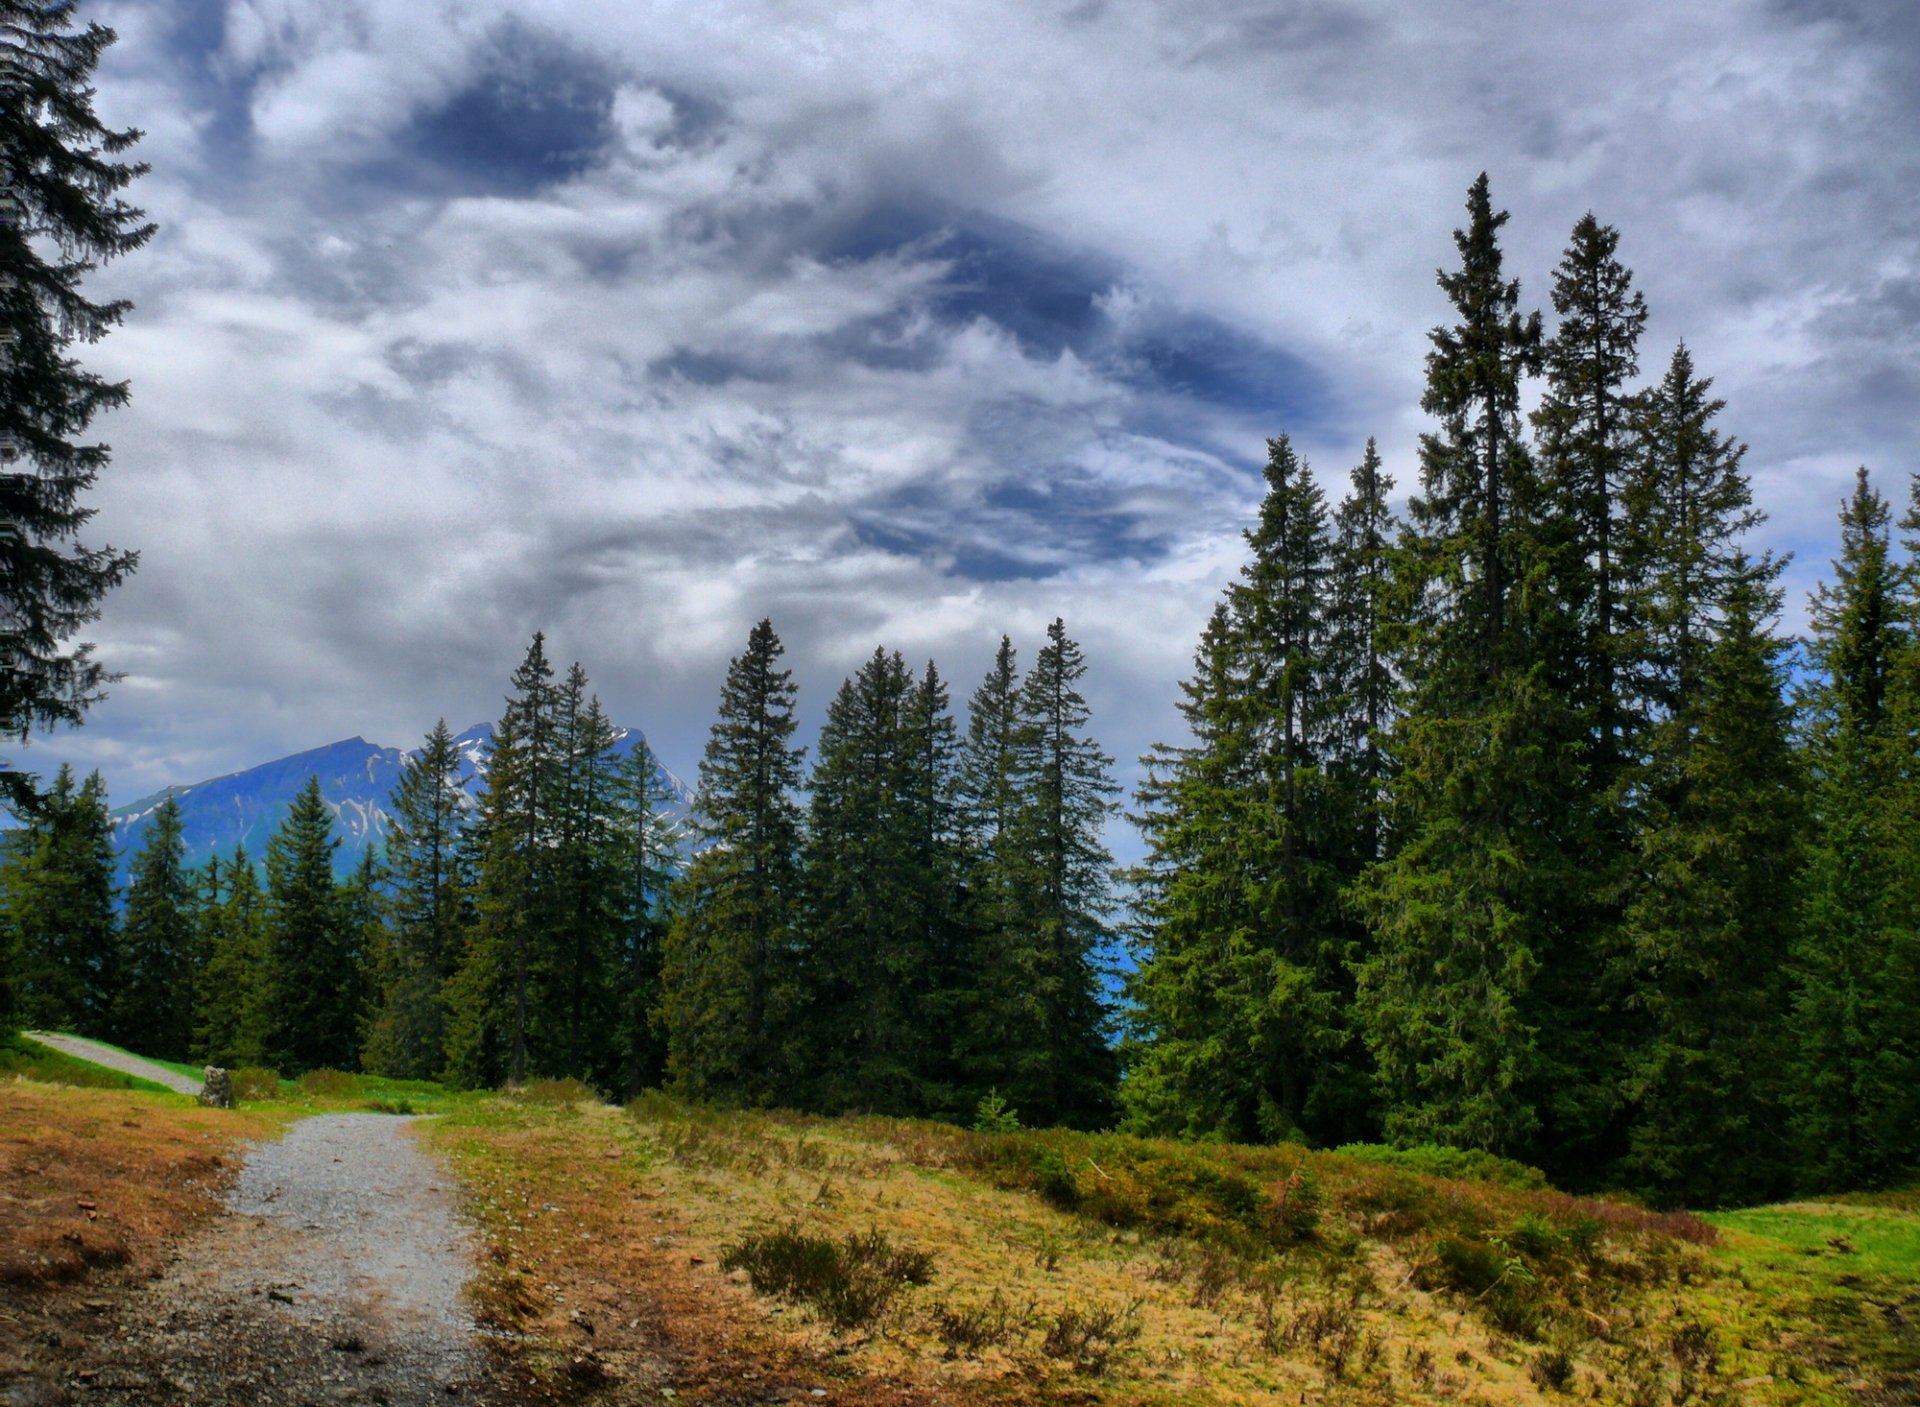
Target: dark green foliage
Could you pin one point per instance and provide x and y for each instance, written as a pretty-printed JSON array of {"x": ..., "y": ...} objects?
[
  {"x": 427, "y": 909},
  {"x": 1466, "y": 1164},
  {"x": 64, "y": 175},
  {"x": 648, "y": 847},
  {"x": 1482, "y": 893},
  {"x": 231, "y": 1012},
  {"x": 1709, "y": 928},
  {"x": 729, "y": 956},
  {"x": 59, "y": 911},
  {"x": 160, "y": 950},
  {"x": 311, "y": 1006},
  {"x": 1855, "y": 1087},
  {"x": 1055, "y": 1060},
  {"x": 881, "y": 864},
  {"x": 489, "y": 996},
  {"x": 1242, "y": 993}
]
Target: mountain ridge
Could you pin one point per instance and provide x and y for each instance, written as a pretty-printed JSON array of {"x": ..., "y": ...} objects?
[{"x": 357, "y": 779}]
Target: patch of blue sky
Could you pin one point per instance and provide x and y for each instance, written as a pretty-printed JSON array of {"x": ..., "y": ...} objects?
[
  {"x": 196, "y": 39},
  {"x": 537, "y": 113}
]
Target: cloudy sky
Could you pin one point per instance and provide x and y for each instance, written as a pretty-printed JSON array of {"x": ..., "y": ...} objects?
[{"x": 902, "y": 324}]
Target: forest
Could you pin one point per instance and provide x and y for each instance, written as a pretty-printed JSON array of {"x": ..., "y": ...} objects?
[{"x": 1508, "y": 819}]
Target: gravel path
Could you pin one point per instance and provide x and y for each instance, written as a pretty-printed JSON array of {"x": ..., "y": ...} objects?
[
  {"x": 334, "y": 1277},
  {"x": 95, "y": 1053}
]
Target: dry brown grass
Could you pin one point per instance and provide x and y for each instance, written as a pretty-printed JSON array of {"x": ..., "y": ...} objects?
[
  {"x": 95, "y": 1187},
  {"x": 609, "y": 1233}
]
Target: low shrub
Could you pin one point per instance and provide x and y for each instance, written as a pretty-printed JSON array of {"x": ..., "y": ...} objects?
[
  {"x": 326, "y": 1083},
  {"x": 1088, "y": 1335},
  {"x": 255, "y": 1082},
  {"x": 850, "y": 1282},
  {"x": 1462, "y": 1164},
  {"x": 966, "y": 1329},
  {"x": 558, "y": 1092}
]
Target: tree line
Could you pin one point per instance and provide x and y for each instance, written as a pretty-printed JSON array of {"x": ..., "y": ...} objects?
[
  {"x": 1513, "y": 822},
  {"x": 922, "y": 932},
  {"x": 1507, "y": 820}
]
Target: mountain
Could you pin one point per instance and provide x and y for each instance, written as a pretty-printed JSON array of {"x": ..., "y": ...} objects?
[{"x": 357, "y": 779}]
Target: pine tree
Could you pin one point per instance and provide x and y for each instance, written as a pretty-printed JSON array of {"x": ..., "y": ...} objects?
[
  {"x": 63, "y": 182},
  {"x": 232, "y": 1019},
  {"x": 490, "y": 996},
  {"x": 650, "y": 842},
  {"x": 159, "y": 946},
  {"x": 311, "y": 1016},
  {"x": 407, "y": 1036},
  {"x": 1364, "y": 694},
  {"x": 728, "y": 961},
  {"x": 933, "y": 813},
  {"x": 60, "y": 910},
  {"x": 1057, "y": 1063}
]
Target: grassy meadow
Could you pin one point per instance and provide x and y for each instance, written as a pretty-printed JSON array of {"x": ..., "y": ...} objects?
[{"x": 670, "y": 1252}]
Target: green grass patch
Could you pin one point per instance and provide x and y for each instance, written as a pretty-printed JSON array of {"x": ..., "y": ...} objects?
[
  {"x": 1840, "y": 1282},
  {"x": 28, "y": 1058},
  {"x": 193, "y": 1072},
  {"x": 1463, "y": 1164}
]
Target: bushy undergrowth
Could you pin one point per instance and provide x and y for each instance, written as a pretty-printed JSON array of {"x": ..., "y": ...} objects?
[
  {"x": 850, "y": 1282},
  {"x": 255, "y": 1082},
  {"x": 1465, "y": 1164}
]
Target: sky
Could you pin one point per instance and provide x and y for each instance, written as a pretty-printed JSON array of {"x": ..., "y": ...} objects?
[{"x": 902, "y": 325}]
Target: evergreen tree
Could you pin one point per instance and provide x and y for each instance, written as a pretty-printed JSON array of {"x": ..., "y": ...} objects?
[
  {"x": 1261, "y": 828},
  {"x": 649, "y": 842},
  {"x": 1855, "y": 1092},
  {"x": 159, "y": 947},
  {"x": 64, "y": 180},
  {"x": 577, "y": 970},
  {"x": 1710, "y": 924},
  {"x": 491, "y": 996},
  {"x": 1058, "y": 1066},
  {"x": 311, "y": 1016},
  {"x": 863, "y": 965},
  {"x": 1585, "y": 422},
  {"x": 231, "y": 1022},
  {"x": 406, "y": 1038},
  {"x": 997, "y": 880},
  {"x": 1361, "y": 684},
  {"x": 1475, "y": 900},
  {"x": 60, "y": 910},
  {"x": 933, "y": 813},
  {"x": 728, "y": 962}
]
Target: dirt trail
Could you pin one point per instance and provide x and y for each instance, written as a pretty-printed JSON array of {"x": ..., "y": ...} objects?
[
  {"x": 95, "y": 1053},
  {"x": 335, "y": 1276}
]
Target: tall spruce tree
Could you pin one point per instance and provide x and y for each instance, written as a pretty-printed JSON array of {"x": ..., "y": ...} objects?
[
  {"x": 160, "y": 957},
  {"x": 312, "y": 1013},
  {"x": 864, "y": 962},
  {"x": 650, "y": 844},
  {"x": 577, "y": 973},
  {"x": 491, "y": 997},
  {"x": 728, "y": 961},
  {"x": 1710, "y": 923},
  {"x": 1473, "y": 904},
  {"x": 63, "y": 181},
  {"x": 231, "y": 1019},
  {"x": 1855, "y": 1091},
  {"x": 60, "y": 909},
  {"x": 1363, "y": 690},
  {"x": 406, "y": 1037},
  {"x": 1057, "y": 1063}
]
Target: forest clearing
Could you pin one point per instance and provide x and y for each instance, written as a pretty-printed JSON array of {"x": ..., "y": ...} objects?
[{"x": 666, "y": 1252}]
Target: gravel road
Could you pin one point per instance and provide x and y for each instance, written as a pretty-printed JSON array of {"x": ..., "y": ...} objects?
[
  {"x": 97, "y": 1054},
  {"x": 334, "y": 1277}
]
